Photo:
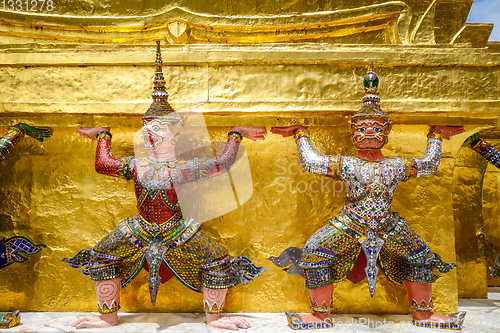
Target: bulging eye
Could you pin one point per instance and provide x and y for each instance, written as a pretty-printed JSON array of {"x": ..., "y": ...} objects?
[
  {"x": 362, "y": 130},
  {"x": 377, "y": 130},
  {"x": 156, "y": 128}
]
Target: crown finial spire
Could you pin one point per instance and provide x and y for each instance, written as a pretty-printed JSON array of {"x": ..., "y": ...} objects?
[
  {"x": 371, "y": 87},
  {"x": 371, "y": 107},
  {"x": 160, "y": 108},
  {"x": 159, "y": 94}
]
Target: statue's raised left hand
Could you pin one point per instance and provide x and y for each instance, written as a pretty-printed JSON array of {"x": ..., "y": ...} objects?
[
  {"x": 91, "y": 132},
  {"x": 448, "y": 131},
  {"x": 38, "y": 133},
  {"x": 250, "y": 132}
]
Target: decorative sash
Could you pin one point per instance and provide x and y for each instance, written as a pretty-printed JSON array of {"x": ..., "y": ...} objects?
[
  {"x": 155, "y": 240},
  {"x": 370, "y": 238}
]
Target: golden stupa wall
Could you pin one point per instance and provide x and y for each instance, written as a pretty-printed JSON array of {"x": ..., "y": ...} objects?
[{"x": 261, "y": 63}]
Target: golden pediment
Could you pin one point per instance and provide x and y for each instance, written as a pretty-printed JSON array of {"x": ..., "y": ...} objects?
[
  {"x": 375, "y": 24},
  {"x": 359, "y": 22}
]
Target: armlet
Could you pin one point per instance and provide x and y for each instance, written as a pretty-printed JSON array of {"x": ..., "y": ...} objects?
[
  {"x": 411, "y": 168},
  {"x": 123, "y": 168},
  {"x": 103, "y": 134},
  {"x": 435, "y": 135},
  {"x": 235, "y": 136},
  {"x": 480, "y": 146},
  {"x": 334, "y": 168},
  {"x": 301, "y": 133}
]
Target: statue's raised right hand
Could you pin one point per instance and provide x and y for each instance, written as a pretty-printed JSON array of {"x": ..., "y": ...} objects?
[
  {"x": 91, "y": 132},
  {"x": 473, "y": 139},
  {"x": 448, "y": 131},
  {"x": 287, "y": 131},
  {"x": 251, "y": 132}
]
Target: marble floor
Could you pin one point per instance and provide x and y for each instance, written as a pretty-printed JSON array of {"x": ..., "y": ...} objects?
[{"x": 483, "y": 315}]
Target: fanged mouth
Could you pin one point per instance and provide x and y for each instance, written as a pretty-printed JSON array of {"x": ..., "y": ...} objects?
[
  {"x": 150, "y": 140},
  {"x": 368, "y": 138}
]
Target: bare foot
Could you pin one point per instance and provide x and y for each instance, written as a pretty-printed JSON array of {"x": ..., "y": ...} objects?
[
  {"x": 228, "y": 323},
  {"x": 433, "y": 318},
  {"x": 312, "y": 318},
  {"x": 97, "y": 321}
]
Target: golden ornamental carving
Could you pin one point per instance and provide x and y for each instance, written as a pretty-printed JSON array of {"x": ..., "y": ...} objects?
[
  {"x": 179, "y": 32},
  {"x": 390, "y": 22},
  {"x": 376, "y": 24}
]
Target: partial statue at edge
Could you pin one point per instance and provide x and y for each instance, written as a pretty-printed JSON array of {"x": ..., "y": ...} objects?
[
  {"x": 14, "y": 249},
  {"x": 159, "y": 236},
  {"x": 366, "y": 232},
  {"x": 492, "y": 155}
]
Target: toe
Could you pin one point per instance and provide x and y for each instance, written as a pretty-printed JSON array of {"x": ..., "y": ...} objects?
[
  {"x": 78, "y": 321},
  {"x": 242, "y": 323},
  {"x": 232, "y": 327},
  {"x": 83, "y": 324}
]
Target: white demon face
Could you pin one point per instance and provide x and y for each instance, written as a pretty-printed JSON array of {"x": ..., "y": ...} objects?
[{"x": 156, "y": 133}]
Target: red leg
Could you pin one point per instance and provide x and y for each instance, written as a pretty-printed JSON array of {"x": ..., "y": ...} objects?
[
  {"x": 321, "y": 301},
  {"x": 213, "y": 302},
  {"x": 108, "y": 299},
  {"x": 420, "y": 296}
]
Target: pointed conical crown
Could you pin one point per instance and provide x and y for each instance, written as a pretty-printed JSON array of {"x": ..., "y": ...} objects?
[
  {"x": 371, "y": 107},
  {"x": 160, "y": 108}
]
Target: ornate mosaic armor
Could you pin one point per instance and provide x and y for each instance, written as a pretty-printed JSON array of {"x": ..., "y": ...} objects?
[
  {"x": 9, "y": 140},
  {"x": 366, "y": 220},
  {"x": 487, "y": 151},
  {"x": 493, "y": 156},
  {"x": 155, "y": 182},
  {"x": 160, "y": 234},
  {"x": 14, "y": 249}
]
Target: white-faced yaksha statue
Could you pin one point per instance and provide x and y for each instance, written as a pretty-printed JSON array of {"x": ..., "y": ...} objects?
[{"x": 159, "y": 237}]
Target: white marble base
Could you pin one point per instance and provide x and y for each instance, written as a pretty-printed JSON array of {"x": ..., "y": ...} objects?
[{"x": 483, "y": 315}]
